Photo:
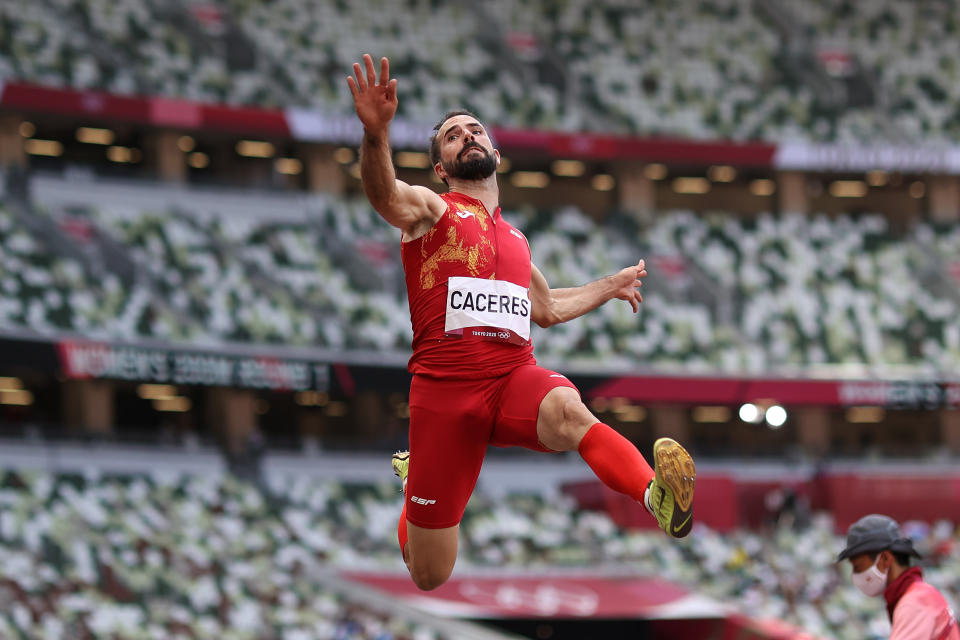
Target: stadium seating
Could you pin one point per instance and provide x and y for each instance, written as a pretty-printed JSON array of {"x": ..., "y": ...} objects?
[
  {"x": 50, "y": 293},
  {"x": 444, "y": 53},
  {"x": 300, "y": 54},
  {"x": 831, "y": 291},
  {"x": 197, "y": 555},
  {"x": 694, "y": 69},
  {"x": 697, "y": 68},
  {"x": 781, "y": 293},
  {"x": 907, "y": 48},
  {"x": 206, "y": 277},
  {"x": 129, "y": 47},
  {"x": 175, "y": 557},
  {"x": 39, "y": 46}
]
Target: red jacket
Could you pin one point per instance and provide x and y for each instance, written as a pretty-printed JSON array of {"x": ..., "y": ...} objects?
[{"x": 917, "y": 610}]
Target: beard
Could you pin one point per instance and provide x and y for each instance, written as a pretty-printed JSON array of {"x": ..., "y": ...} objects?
[{"x": 474, "y": 167}]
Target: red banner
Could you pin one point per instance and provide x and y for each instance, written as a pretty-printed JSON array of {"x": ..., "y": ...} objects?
[
  {"x": 315, "y": 126},
  {"x": 548, "y": 596},
  {"x": 99, "y": 105},
  {"x": 674, "y": 611},
  {"x": 164, "y": 112},
  {"x": 319, "y": 127},
  {"x": 246, "y": 120},
  {"x": 725, "y": 502},
  {"x": 850, "y": 496},
  {"x": 786, "y": 391}
]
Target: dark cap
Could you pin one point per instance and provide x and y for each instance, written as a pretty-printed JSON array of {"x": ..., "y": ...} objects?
[{"x": 875, "y": 533}]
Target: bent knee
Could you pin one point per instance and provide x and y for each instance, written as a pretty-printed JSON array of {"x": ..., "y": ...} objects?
[
  {"x": 430, "y": 577},
  {"x": 577, "y": 420},
  {"x": 564, "y": 428},
  {"x": 431, "y": 555},
  {"x": 575, "y": 414}
]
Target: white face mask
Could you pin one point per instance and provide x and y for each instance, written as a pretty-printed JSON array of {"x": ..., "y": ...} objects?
[{"x": 871, "y": 581}]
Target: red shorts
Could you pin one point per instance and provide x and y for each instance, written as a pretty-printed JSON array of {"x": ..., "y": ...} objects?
[{"x": 451, "y": 424}]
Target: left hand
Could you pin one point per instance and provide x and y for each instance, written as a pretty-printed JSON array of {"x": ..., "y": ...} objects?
[{"x": 628, "y": 282}]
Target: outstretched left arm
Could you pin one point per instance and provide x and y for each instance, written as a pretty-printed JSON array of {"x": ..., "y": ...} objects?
[{"x": 553, "y": 306}]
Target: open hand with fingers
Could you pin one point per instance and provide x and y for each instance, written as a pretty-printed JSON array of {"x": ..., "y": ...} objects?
[
  {"x": 628, "y": 282},
  {"x": 375, "y": 100}
]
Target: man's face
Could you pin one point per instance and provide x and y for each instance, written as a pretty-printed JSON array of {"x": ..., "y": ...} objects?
[{"x": 466, "y": 152}]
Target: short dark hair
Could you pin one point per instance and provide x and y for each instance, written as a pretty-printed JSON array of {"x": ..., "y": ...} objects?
[
  {"x": 902, "y": 559},
  {"x": 435, "y": 140}
]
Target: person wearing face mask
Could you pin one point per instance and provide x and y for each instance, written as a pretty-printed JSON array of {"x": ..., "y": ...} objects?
[{"x": 880, "y": 557}]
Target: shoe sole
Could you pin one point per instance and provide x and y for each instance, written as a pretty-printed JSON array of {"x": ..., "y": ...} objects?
[
  {"x": 676, "y": 468},
  {"x": 399, "y": 456}
]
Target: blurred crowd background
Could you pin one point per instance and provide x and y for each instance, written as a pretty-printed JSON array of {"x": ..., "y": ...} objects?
[{"x": 204, "y": 326}]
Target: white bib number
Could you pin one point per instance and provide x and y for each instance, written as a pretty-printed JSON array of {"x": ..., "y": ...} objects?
[{"x": 488, "y": 309}]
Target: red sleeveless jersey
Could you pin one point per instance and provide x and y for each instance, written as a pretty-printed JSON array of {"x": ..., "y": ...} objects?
[{"x": 468, "y": 282}]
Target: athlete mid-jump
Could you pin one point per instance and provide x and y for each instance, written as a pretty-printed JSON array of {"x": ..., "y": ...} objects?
[{"x": 473, "y": 292}]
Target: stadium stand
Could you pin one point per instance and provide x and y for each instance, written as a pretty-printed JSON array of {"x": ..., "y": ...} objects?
[
  {"x": 899, "y": 45},
  {"x": 708, "y": 70},
  {"x": 166, "y": 553},
  {"x": 692, "y": 73},
  {"x": 52, "y": 292},
  {"x": 256, "y": 54},
  {"x": 781, "y": 293},
  {"x": 139, "y": 271},
  {"x": 162, "y": 557},
  {"x": 212, "y": 275}
]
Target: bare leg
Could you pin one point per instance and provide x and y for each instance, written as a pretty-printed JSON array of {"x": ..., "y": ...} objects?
[
  {"x": 565, "y": 424},
  {"x": 430, "y": 554},
  {"x": 563, "y": 419}
]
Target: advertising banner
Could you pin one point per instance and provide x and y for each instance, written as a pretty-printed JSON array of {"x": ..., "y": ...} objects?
[
  {"x": 732, "y": 391},
  {"x": 548, "y": 596},
  {"x": 99, "y": 360}
]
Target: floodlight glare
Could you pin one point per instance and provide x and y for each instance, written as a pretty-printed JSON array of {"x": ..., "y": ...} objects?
[
  {"x": 749, "y": 412},
  {"x": 776, "y": 416}
]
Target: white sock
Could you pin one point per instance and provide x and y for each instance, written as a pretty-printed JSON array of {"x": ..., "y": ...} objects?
[{"x": 646, "y": 499}]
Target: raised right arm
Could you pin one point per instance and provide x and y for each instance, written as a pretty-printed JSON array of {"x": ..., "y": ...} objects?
[{"x": 413, "y": 209}]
